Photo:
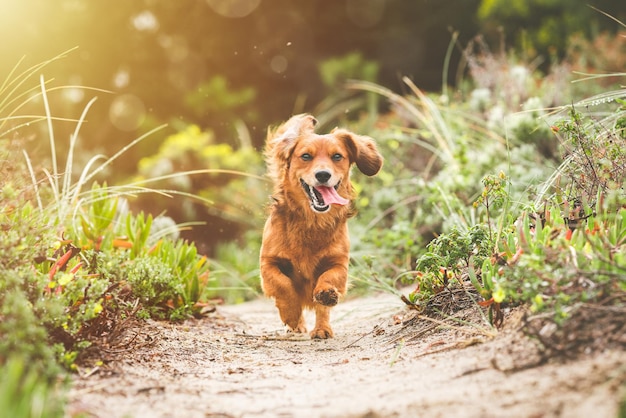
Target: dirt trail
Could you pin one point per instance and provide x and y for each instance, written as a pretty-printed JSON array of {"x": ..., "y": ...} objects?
[{"x": 238, "y": 363}]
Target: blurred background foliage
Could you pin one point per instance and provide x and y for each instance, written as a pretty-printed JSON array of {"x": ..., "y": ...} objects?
[
  {"x": 219, "y": 72},
  {"x": 544, "y": 27}
]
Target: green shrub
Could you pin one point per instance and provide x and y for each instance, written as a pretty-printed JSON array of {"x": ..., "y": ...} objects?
[
  {"x": 235, "y": 269},
  {"x": 29, "y": 360},
  {"x": 230, "y": 178},
  {"x": 79, "y": 261},
  {"x": 437, "y": 155},
  {"x": 596, "y": 152},
  {"x": 569, "y": 252},
  {"x": 533, "y": 236},
  {"x": 24, "y": 318},
  {"x": 26, "y": 394}
]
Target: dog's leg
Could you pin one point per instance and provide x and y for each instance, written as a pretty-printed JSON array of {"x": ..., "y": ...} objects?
[
  {"x": 291, "y": 314},
  {"x": 280, "y": 287},
  {"x": 322, "y": 328},
  {"x": 331, "y": 285}
]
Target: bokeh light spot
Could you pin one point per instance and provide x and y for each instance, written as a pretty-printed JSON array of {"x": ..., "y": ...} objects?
[
  {"x": 121, "y": 78},
  {"x": 176, "y": 47},
  {"x": 74, "y": 93},
  {"x": 127, "y": 112},
  {"x": 234, "y": 8},
  {"x": 279, "y": 64},
  {"x": 146, "y": 21}
]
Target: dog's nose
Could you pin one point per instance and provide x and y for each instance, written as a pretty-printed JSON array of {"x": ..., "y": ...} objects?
[{"x": 322, "y": 176}]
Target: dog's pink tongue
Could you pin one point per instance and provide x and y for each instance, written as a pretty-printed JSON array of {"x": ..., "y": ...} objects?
[{"x": 330, "y": 195}]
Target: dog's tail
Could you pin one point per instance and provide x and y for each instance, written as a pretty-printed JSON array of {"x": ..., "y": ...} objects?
[{"x": 281, "y": 141}]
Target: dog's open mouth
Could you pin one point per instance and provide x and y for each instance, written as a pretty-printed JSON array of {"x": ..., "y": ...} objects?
[{"x": 321, "y": 197}]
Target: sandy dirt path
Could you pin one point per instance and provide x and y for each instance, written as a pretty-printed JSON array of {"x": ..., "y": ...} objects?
[{"x": 239, "y": 363}]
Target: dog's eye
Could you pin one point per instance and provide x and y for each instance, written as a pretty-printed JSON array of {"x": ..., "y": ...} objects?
[
  {"x": 306, "y": 157},
  {"x": 337, "y": 157}
]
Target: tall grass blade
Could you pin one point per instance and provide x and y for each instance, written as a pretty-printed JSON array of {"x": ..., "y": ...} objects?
[
  {"x": 6, "y": 82},
  {"x": 53, "y": 152},
  {"x": 427, "y": 114},
  {"x": 33, "y": 179},
  {"x": 70, "y": 154},
  {"x": 446, "y": 63},
  {"x": 122, "y": 151},
  {"x": 81, "y": 181},
  {"x": 434, "y": 121},
  {"x": 6, "y": 94},
  {"x": 194, "y": 172},
  {"x": 608, "y": 15}
]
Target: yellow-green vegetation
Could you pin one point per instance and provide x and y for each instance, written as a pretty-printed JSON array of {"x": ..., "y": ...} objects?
[
  {"x": 528, "y": 210},
  {"x": 75, "y": 263}
]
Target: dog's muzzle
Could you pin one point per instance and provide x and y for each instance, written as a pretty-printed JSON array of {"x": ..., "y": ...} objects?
[{"x": 321, "y": 197}]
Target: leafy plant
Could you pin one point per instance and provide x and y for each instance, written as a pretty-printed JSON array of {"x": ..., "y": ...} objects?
[
  {"x": 189, "y": 279},
  {"x": 79, "y": 261},
  {"x": 235, "y": 269},
  {"x": 597, "y": 158},
  {"x": 539, "y": 240},
  {"x": 29, "y": 370},
  {"x": 560, "y": 267},
  {"x": 447, "y": 259},
  {"x": 571, "y": 251},
  {"x": 25, "y": 394},
  {"x": 232, "y": 189}
]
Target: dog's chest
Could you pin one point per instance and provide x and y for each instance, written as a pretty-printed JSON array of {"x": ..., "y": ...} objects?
[
  {"x": 310, "y": 253},
  {"x": 314, "y": 240},
  {"x": 307, "y": 267}
]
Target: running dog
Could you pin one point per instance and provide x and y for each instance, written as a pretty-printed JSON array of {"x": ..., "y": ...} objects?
[{"x": 305, "y": 250}]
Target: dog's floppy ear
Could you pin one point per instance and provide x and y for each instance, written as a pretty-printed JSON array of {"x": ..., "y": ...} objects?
[
  {"x": 363, "y": 150},
  {"x": 281, "y": 142},
  {"x": 288, "y": 132}
]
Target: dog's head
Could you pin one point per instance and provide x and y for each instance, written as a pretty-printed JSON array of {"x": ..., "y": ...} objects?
[{"x": 315, "y": 169}]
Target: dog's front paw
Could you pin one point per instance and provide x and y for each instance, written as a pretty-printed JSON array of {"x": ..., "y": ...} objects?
[
  {"x": 328, "y": 297},
  {"x": 298, "y": 327},
  {"x": 322, "y": 333}
]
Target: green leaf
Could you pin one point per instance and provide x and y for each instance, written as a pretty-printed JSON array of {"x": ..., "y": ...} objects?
[{"x": 487, "y": 275}]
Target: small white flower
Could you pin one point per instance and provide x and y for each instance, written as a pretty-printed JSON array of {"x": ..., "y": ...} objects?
[{"x": 480, "y": 98}]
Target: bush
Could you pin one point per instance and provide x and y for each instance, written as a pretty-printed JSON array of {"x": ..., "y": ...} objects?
[
  {"x": 75, "y": 265},
  {"x": 547, "y": 231},
  {"x": 26, "y": 394},
  {"x": 564, "y": 251}
]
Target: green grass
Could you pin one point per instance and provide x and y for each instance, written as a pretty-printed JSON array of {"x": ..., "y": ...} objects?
[
  {"x": 78, "y": 261},
  {"x": 24, "y": 394},
  {"x": 546, "y": 231}
]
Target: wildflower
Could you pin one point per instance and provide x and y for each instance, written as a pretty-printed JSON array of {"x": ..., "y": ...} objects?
[
  {"x": 97, "y": 308},
  {"x": 498, "y": 295}
]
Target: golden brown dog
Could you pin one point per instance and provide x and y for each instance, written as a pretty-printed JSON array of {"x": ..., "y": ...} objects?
[{"x": 304, "y": 255}]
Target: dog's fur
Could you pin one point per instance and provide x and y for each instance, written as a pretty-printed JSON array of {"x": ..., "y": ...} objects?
[{"x": 304, "y": 255}]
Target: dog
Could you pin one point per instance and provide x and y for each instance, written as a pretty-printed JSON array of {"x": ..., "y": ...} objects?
[{"x": 305, "y": 246}]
